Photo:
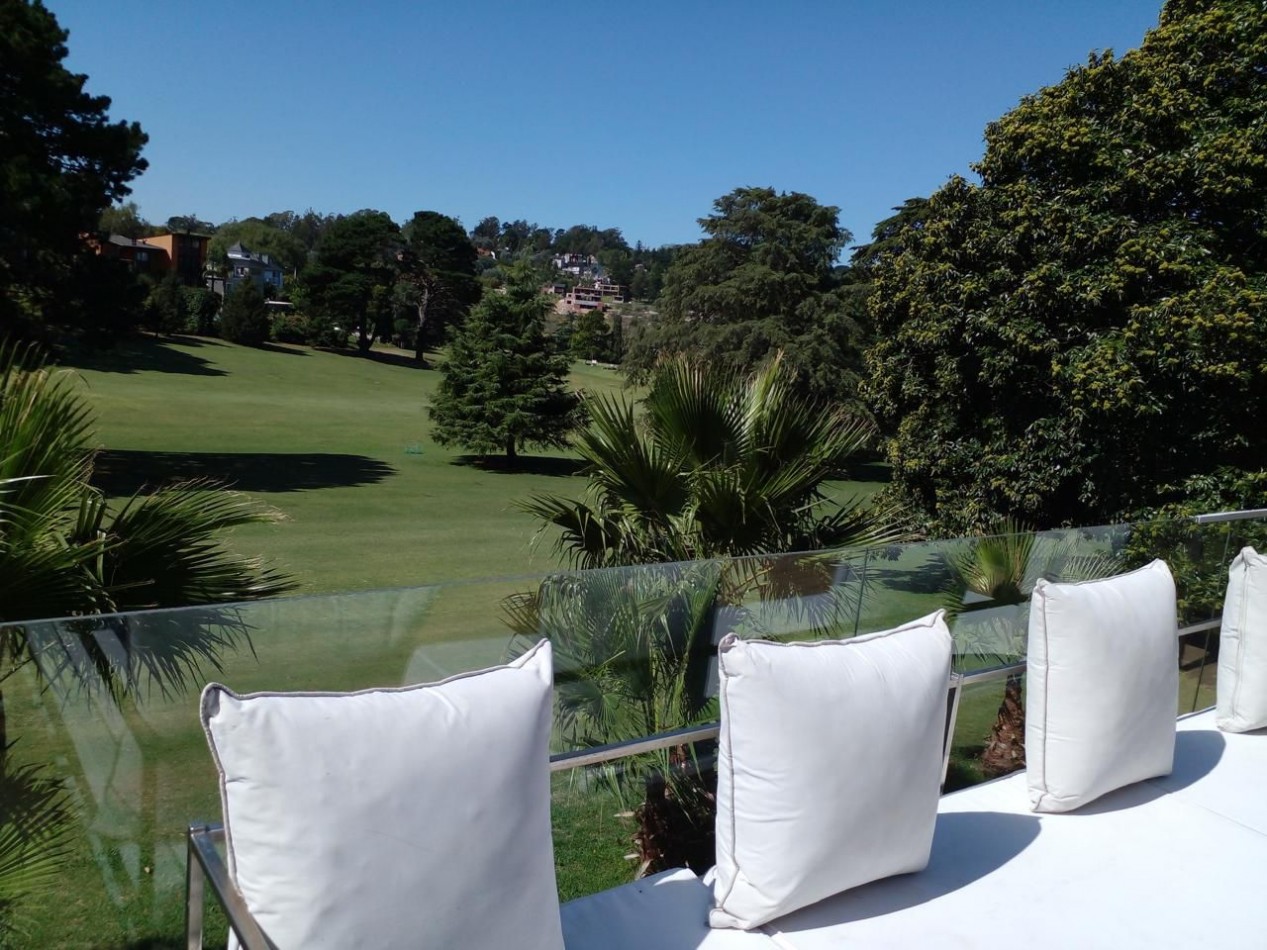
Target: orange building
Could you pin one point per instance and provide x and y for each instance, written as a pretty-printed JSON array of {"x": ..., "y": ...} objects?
[{"x": 186, "y": 254}]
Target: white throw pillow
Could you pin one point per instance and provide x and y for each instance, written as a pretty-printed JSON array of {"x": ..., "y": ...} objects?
[
  {"x": 1242, "y": 684},
  {"x": 829, "y": 766},
  {"x": 408, "y": 817},
  {"x": 1102, "y": 686}
]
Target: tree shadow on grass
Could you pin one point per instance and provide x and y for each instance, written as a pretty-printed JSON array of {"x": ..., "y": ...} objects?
[
  {"x": 145, "y": 356},
  {"x": 869, "y": 471},
  {"x": 929, "y": 578},
  {"x": 524, "y": 464},
  {"x": 125, "y": 472},
  {"x": 277, "y": 348},
  {"x": 378, "y": 356}
]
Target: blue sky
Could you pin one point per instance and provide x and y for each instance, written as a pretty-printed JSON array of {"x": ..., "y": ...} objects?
[{"x": 630, "y": 115}]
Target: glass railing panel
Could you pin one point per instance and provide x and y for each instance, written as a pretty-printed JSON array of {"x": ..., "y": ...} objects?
[{"x": 108, "y": 706}]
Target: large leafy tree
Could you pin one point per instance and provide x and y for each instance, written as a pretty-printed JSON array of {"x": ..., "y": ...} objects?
[
  {"x": 62, "y": 163},
  {"x": 1084, "y": 333},
  {"x": 352, "y": 277},
  {"x": 721, "y": 464},
  {"x": 504, "y": 384},
  {"x": 262, "y": 237},
  {"x": 763, "y": 279},
  {"x": 437, "y": 266}
]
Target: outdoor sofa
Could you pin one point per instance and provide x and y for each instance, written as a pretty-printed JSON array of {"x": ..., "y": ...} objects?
[{"x": 1078, "y": 851}]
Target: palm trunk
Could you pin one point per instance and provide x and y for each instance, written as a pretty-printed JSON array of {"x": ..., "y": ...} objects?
[
  {"x": 676, "y": 819},
  {"x": 1005, "y": 751}
]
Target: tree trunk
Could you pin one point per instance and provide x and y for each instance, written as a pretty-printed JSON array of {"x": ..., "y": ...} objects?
[
  {"x": 510, "y": 448},
  {"x": 1005, "y": 752},
  {"x": 424, "y": 301}
]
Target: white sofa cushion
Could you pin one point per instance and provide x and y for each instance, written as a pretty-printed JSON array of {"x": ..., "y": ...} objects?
[
  {"x": 829, "y": 766},
  {"x": 1242, "y": 684},
  {"x": 1103, "y": 685},
  {"x": 408, "y": 817}
]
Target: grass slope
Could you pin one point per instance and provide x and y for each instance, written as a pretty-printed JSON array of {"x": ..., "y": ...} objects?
[{"x": 341, "y": 445}]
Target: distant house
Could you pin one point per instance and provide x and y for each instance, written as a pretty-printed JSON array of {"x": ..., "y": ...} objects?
[
  {"x": 245, "y": 264},
  {"x": 596, "y": 296},
  {"x": 139, "y": 255},
  {"x": 579, "y": 264},
  {"x": 186, "y": 254}
]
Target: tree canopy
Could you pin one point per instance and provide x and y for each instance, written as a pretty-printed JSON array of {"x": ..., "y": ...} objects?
[
  {"x": 504, "y": 386},
  {"x": 262, "y": 237},
  {"x": 354, "y": 271},
  {"x": 62, "y": 163},
  {"x": 437, "y": 266},
  {"x": 764, "y": 279},
  {"x": 1084, "y": 332}
]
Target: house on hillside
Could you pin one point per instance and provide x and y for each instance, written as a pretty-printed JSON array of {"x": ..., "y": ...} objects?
[
  {"x": 582, "y": 265},
  {"x": 245, "y": 264},
  {"x": 139, "y": 255},
  {"x": 185, "y": 252}
]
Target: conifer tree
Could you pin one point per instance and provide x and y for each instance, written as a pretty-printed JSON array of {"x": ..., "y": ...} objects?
[{"x": 504, "y": 384}]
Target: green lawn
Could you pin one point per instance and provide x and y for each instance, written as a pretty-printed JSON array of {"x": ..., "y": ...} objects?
[{"x": 339, "y": 444}]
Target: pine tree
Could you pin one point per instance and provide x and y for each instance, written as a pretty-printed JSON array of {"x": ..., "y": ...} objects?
[{"x": 504, "y": 384}]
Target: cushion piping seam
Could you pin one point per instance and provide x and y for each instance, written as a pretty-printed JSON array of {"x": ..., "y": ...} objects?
[{"x": 730, "y": 756}]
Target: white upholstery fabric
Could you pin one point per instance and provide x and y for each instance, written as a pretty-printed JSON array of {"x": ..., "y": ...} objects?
[
  {"x": 1103, "y": 682},
  {"x": 1242, "y": 685},
  {"x": 829, "y": 764},
  {"x": 1158, "y": 864},
  {"x": 667, "y": 911},
  {"x": 385, "y": 818}
]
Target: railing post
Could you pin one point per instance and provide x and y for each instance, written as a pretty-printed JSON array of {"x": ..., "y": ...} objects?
[{"x": 195, "y": 882}]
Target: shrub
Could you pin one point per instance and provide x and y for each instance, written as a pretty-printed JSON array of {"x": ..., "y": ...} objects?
[{"x": 244, "y": 318}]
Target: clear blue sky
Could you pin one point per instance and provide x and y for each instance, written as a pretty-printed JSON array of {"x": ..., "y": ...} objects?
[{"x": 634, "y": 115}]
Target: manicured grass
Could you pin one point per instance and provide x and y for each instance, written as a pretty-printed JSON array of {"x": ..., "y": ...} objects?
[{"x": 340, "y": 445}]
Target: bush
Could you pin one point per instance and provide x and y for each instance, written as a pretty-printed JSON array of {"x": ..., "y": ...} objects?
[
  {"x": 288, "y": 326},
  {"x": 203, "y": 306},
  {"x": 244, "y": 318}
]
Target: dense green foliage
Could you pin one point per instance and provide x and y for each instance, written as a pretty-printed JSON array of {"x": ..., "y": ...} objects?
[
  {"x": 351, "y": 279},
  {"x": 167, "y": 309},
  {"x": 504, "y": 385},
  {"x": 244, "y": 316},
  {"x": 62, "y": 163},
  {"x": 723, "y": 465},
  {"x": 1085, "y": 331},
  {"x": 262, "y": 237},
  {"x": 764, "y": 279},
  {"x": 437, "y": 272}
]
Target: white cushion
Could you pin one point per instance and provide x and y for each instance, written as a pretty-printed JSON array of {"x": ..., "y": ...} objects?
[
  {"x": 1102, "y": 686},
  {"x": 829, "y": 766},
  {"x": 407, "y": 817},
  {"x": 1242, "y": 685}
]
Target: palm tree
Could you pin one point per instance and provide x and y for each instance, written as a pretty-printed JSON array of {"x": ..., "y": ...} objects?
[
  {"x": 64, "y": 552},
  {"x": 991, "y": 580},
  {"x": 632, "y": 649},
  {"x": 716, "y": 466}
]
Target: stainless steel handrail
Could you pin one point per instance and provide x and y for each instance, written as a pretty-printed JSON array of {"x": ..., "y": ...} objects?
[{"x": 1215, "y": 517}]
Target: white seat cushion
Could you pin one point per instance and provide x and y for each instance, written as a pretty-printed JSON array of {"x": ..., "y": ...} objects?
[
  {"x": 407, "y": 817},
  {"x": 1242, "y": 685},
  {"x": 829, "y": 765},
  {"x": 1103, "y": 682}
]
